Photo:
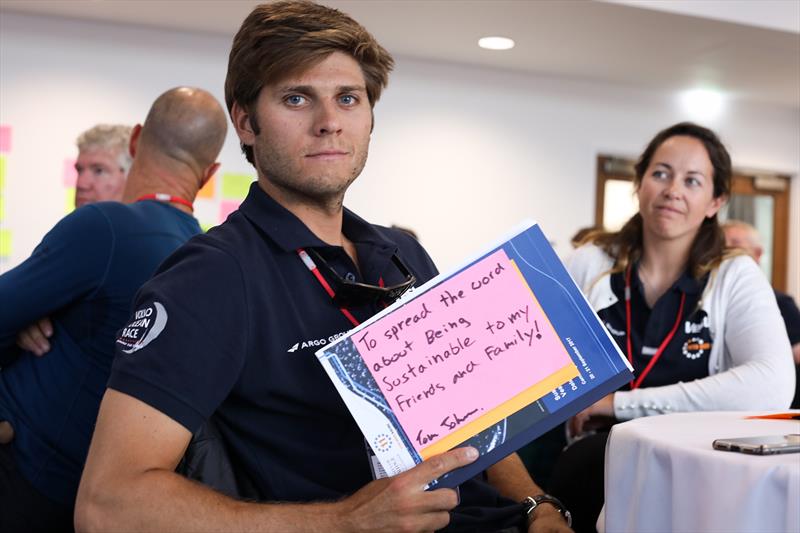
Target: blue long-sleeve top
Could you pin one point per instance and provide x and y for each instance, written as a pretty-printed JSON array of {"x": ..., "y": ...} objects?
[{"x": 83, "y": 275}]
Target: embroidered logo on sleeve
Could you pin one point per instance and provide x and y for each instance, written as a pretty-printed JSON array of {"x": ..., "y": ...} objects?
[
  {"x": 314, "y": 343},
  {"x": 695, "y": 347},
  {"x": 148, "y": 322}
]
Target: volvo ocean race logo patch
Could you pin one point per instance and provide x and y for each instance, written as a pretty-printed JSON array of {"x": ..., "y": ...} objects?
[{"x": 148, "y": 322}]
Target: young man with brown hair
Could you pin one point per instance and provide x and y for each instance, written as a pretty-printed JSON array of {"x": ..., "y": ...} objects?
[{"x": 301, "y": 84}]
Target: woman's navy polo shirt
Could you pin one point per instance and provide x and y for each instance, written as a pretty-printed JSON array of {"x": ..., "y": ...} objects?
[
  {"x": 685, "y": 358},
  {"x": 230, "y": 325}
]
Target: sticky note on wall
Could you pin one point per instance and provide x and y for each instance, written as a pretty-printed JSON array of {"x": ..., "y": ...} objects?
[
  {"x": 5, "y": 243},
  {"x": 69, "y": 174},
  {"x": 235, "y": 186},
  {"x": 5, "y": 139},
  {"x": 227, "y": 207},
  {"x": 69, "y": 200},
  {"x": 209, "y": 189}
]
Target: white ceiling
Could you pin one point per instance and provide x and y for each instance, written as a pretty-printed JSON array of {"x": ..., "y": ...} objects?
[{"x": 617, "y": 41}]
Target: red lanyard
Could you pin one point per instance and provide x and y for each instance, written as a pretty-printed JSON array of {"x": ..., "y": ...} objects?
[
  {"x": 162, "y": 197},
  {"x": 312, "y": 266},
  {"x": 638, "y": 381}
]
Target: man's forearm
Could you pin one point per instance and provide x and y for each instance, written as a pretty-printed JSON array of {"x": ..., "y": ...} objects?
[
  {"x": 160, "y": 500},
  {"x": 511, "y": 479}
]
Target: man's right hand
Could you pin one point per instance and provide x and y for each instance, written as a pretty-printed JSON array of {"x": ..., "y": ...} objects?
[
  {"x": 34, "y": 337},
  {"x": 401, "y": 503}
]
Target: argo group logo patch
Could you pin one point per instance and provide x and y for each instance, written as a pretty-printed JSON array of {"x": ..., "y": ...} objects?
[{"x": 148, "y": 322}]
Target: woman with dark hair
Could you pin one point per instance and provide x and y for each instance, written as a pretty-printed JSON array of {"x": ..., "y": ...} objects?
[{"x": 698, "y": 321}]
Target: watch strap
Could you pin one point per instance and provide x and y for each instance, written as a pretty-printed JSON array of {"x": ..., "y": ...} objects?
[{"x": 532, "y": 502}]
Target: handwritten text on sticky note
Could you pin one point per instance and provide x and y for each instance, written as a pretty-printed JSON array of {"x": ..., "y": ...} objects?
[{"x": 461, "y": 349}]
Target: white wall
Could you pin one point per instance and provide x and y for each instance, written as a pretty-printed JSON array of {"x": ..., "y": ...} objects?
[{"x": 459, "y": 154}]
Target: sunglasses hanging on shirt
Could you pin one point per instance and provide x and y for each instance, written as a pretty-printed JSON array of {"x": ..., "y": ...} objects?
[{"x": 347, "y": 293}]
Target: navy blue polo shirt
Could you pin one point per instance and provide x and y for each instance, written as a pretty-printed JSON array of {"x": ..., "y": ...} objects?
[
  {"x": 685, "y": 358},
  {"x": 230, "y": 325}
]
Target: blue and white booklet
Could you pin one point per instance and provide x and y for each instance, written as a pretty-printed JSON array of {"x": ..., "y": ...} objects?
[{"x": 490, "y": 355}]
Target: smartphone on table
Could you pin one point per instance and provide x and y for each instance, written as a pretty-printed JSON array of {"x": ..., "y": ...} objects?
[{"x": 766, "y": 445}]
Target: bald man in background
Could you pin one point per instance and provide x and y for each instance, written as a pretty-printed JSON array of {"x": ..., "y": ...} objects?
[
  {"x": 84, "y": 275},
  {"x": 742, "y": 235}
]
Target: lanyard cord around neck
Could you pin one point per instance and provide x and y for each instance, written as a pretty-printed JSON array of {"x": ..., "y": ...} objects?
[
  {"x": 167, "y": 198},
  {"x": 638, "y": 381},
  {"x": 312, "y": 266}
]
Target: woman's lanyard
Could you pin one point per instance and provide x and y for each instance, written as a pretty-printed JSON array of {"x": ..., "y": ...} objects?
[
  {"x": 312, "y": 266},
  {"x": 168, "y": 198},
  {"x": 638, "y": 381}
]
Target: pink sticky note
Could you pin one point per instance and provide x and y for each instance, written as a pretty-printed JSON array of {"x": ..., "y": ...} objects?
[
  {"x": 70, "y": 175},
  {"x": 463, "y": 348},
  {"x": 226, "y": 207},
  {"x": 5, "y": 139}
]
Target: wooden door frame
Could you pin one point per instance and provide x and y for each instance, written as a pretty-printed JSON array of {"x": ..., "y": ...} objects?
[{"x": 745, "y": 183}]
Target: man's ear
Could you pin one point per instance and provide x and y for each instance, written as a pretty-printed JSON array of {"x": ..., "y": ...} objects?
[
  {"x": 134, "y": 142},
  {"x": 209, "y": 173},
  {"x": 241, "y": 121}
]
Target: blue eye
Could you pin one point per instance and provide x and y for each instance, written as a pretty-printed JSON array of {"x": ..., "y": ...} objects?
[
  {"x": 348, "y": 99},
  {"x": 295, "y": 100}
]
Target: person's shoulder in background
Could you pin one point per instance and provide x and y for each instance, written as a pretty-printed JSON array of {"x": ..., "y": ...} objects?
[
  {"x": 587, "y": 263},
  {"x": 790, "y": 314}
]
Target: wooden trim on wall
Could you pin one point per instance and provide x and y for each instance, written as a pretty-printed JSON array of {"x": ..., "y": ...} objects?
[{"x": 602, "y": 176}]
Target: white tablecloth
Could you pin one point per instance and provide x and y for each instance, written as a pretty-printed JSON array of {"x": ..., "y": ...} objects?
[{"x": 663, "y": 475}]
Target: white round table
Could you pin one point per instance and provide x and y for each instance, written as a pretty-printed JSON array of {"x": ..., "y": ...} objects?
[{"x": 662, "y": 474}]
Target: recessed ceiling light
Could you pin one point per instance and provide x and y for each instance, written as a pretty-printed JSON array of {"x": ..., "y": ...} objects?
[
  {"x": 702, "y": 104},
  {"x": 496, "y": 43}
]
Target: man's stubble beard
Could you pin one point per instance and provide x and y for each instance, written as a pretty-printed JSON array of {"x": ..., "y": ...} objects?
[{"x": 322, "y": 191}]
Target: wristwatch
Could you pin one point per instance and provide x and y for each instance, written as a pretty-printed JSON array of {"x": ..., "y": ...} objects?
[{"x": 535, "y": 501}]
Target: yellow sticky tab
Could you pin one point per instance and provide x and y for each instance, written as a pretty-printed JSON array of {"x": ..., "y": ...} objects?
[
  {"x": 235, "y": 186},
  {"x": 5, "y": 243},
  {"x": 69, "y": 200},
  {"x": 209, "y": 189}
]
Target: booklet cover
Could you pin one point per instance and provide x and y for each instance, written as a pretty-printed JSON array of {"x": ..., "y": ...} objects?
[{"x": 491, "y": 355}]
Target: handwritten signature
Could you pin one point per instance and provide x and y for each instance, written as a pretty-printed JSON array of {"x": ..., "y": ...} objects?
[{"x": 449, "y": 422}]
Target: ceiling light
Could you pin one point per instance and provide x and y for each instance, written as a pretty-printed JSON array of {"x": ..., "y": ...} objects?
[
  {"x": 702, "y": 104},
  {"x": 496, "y": 43}
]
